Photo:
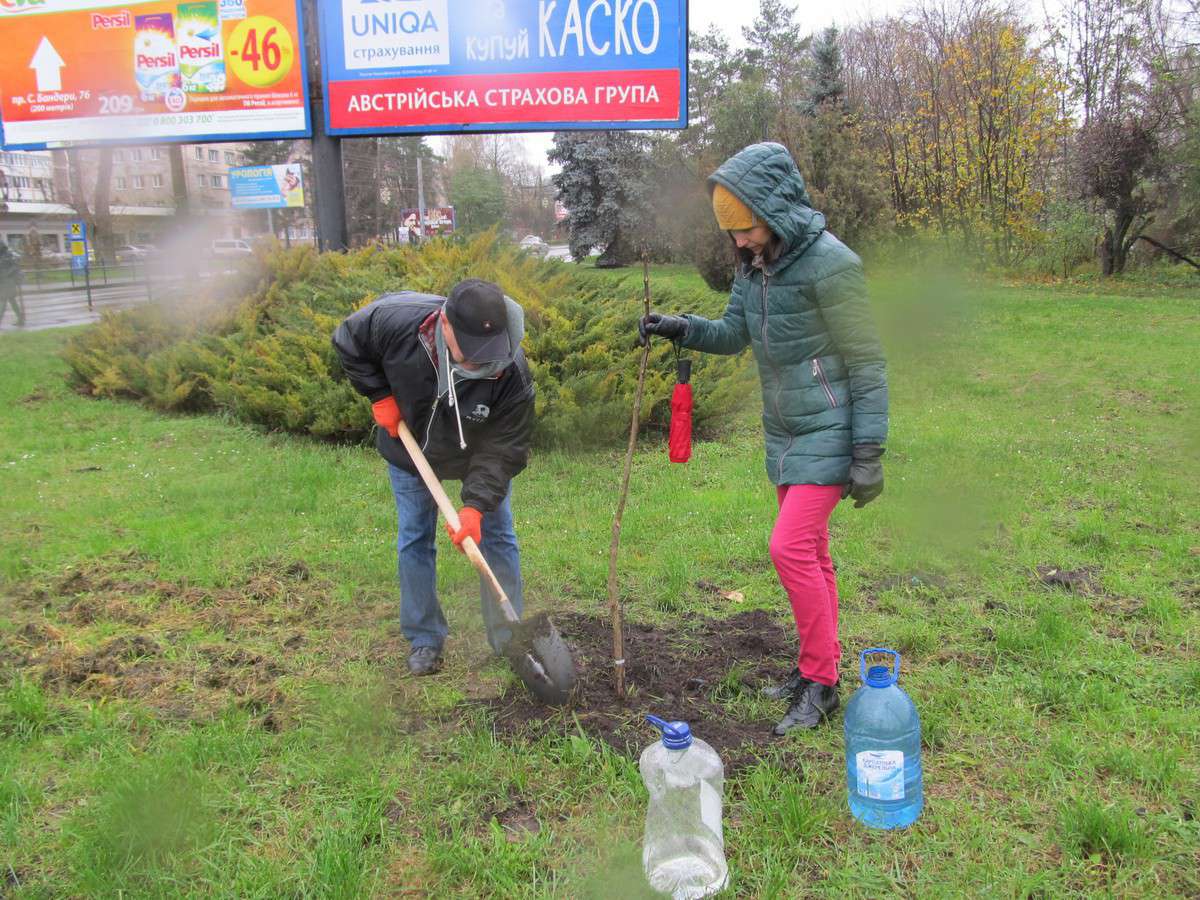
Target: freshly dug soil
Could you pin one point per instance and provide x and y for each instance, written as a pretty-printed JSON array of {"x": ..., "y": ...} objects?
[{"x": 681, "y": 673}]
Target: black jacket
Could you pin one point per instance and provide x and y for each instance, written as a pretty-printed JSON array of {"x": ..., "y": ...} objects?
[{"x": 383, "y": 352}]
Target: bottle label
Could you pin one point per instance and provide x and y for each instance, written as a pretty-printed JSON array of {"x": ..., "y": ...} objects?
[
  {"x": 880, "y": 774},
  {"x": 710, "y": 808}
]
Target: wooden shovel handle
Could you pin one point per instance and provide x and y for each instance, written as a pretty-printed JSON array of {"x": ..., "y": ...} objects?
[{"x": 447, "y": 507}]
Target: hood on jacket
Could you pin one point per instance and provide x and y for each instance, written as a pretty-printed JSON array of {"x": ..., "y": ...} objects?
[
  {"x": 764, "y": 177},
  {"x": 448, "y": 370}
]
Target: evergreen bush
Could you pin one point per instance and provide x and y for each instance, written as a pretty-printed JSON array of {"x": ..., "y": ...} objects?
[{"x": 258, "y": 348}]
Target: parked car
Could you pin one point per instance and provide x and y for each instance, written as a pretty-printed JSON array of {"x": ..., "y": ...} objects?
[
  {"x": 59, "y": 258},
  {"x": 534, "y": 244},
  {"x": 230, "y": 247},
  {"x": 135, "y": 252}
]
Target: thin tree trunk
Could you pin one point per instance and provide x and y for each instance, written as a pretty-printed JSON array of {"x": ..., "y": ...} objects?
[
  {"x": 614, "y": 600},
  {"x": 1120, "y": 248},
  {"x": 101, "y": 211},
  {"x": 179, "y": 185},
  {"x": 1106, "y": 253}
]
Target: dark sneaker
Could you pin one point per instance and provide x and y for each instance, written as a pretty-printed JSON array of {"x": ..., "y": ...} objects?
[
  {"x": 812, "y": 703},
  {"x": 424, "y": 660},
  {"x": 784, "y": 690}
]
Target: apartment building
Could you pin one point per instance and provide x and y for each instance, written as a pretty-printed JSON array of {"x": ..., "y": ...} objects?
[
  {"x": 28, "y": 200},
  {"x": 36, "y": 190}
]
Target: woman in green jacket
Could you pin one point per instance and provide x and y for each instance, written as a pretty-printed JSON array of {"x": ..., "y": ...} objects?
[{"x": 799, "y": 302}]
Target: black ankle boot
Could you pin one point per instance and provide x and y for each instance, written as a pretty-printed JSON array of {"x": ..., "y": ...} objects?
[
  {"x": 812, "y": 703},
  {"x": 785, "y": 689}
]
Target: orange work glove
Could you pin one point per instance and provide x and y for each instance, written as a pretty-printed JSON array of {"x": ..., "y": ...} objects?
[
  {"x": 387, "y": 415},
  {"x": 470, "y": 520}
]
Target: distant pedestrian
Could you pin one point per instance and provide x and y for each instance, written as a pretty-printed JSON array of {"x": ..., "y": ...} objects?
[
  {"x": 799, "y": 302},
  {"x": 10, "y": 286}
]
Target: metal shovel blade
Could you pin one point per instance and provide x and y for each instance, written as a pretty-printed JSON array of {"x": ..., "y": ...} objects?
[{"x": 542, "y": 660}]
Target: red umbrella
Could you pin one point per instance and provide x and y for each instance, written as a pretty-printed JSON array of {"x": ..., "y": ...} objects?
[{"x": 680, "y": 439}]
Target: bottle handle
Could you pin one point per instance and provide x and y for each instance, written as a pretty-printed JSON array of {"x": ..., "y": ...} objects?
[
  {"x": 658, "y": 723},
  {"x": 675, "y": 735},
  {"x": 862, "y": 662}
]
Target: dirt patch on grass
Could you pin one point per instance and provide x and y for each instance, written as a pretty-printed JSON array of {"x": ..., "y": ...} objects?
[
  {"x": 86, "y": 610},
  {"x": 1078, "y": 581},
  {"x": 694, "y": 674},
  {"x": 178, "y": 685},
  {"x": 113, "y": 628},
  {"x": 122, "y": 665}
]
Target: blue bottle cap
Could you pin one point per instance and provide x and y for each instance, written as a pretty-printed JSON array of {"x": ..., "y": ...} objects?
[
  {"x": 675, "y": 735},
  {"x": 879, "y": 676}
]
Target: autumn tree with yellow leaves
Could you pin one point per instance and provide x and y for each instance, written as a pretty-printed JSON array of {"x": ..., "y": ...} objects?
[{"x": 964, "y": 111}]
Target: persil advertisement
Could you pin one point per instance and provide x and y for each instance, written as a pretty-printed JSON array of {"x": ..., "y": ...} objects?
[
  {"x": 76, "y": 72},
  {"x": 503, "y": 65}
]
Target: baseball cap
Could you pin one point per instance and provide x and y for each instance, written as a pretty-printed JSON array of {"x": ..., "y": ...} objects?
[{"x": 479, "y": 317}]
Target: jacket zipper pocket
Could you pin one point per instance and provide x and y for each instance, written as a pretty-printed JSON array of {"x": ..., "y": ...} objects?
[{"x": 819, "y": 374}]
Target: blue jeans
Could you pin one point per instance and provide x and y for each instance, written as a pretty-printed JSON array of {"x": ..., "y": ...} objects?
[{"x": 421, "y": 617}]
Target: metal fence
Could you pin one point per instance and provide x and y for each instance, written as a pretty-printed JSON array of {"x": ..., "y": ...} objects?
[{"x": 51, "y": 294}]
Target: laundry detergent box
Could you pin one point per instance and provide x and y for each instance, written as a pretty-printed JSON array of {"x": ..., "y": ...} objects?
[
  {"x": 155, "y": 62},
  {"x": 201, "y": 55}
]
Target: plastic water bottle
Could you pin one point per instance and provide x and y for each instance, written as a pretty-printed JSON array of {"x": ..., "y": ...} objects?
[
  {"x": 684, "y": 849},
  {"x": 883, "y": 748}
]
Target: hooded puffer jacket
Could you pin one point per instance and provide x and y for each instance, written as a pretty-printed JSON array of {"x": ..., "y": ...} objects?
[{"x": 806, "y": 316}]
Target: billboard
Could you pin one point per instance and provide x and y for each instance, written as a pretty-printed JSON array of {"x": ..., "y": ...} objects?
[
  {"x": 86, "y": 72},
  {"x": 503, "y": 65},
  {"x": 266, "y": 187},
  {"x": 438, "y": 220}
]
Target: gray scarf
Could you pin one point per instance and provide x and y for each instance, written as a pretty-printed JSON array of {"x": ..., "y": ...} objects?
[{"x": 448, "y": 370}]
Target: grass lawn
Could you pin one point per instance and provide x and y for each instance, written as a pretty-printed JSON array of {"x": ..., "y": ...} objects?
[{"x": 202, "y": 685}]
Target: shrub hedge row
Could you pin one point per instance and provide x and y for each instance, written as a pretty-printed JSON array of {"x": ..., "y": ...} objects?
[{"x": 264, "y": 356}]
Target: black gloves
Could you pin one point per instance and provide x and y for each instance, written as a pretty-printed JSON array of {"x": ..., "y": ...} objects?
[
  {"x": 671, "y": 327},
  {"x": 866, "y": 475}
]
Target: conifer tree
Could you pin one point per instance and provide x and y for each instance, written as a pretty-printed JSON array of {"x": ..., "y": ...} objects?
[
  {"x": 828, "y": 81},
  {"x": 606, "y": 187}
]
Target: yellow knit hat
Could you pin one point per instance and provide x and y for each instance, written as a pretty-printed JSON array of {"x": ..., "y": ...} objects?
[{"x": 732, "y": 214}]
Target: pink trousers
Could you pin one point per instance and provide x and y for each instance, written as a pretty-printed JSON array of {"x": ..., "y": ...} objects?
[{"x": 800, "y": 551}]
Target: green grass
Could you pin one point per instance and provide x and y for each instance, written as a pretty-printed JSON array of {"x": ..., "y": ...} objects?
[{"x": 263, "y": 741}]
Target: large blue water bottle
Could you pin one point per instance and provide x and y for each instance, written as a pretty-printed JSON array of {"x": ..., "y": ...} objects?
[{"x": 883, "y": 748}]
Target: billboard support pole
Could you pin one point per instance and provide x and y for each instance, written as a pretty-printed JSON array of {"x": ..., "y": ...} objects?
[
  {"x": 330, "y": 201},
  {"x": 420, "y": 200},
  {"x": 271, "y": 221}
]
